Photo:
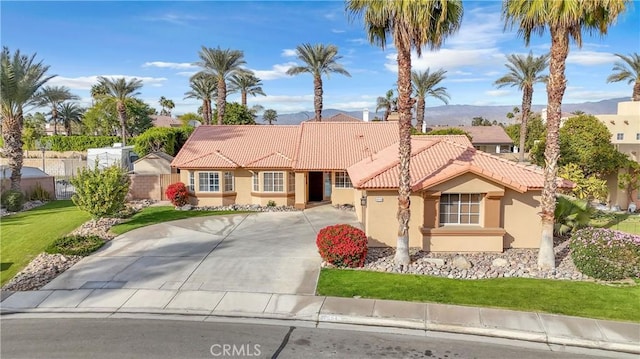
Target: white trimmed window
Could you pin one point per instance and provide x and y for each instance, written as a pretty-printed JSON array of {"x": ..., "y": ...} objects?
[
  {"x": 256, "y": 182},
  {"x": 228, "y": 182},
  {"x": 343, "y": 180},
  {"x": 272, "y": 182},
  {"x": 460, "y": 208},
  {"x": 192, "y": 181},
  {"x": 620, "y": 136},
  {"x": 292, "y": 182},
  {"x": 209, "y": 182}
]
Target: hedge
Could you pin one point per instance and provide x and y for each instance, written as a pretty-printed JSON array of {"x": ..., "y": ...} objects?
[{"x": 78, "y": 143}]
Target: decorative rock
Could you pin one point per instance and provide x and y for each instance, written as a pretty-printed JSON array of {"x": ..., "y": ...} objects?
[
  {"x": 438, "y": 262},
  {"x": 499, "y": 262},
  {"x": 186, "y": 207},
  {"x": 461, "y": 262},
  {"x": 25, "y": 207},
  {"x": 40, "y": 271}
]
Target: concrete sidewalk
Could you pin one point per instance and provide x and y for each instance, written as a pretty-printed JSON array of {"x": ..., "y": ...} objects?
[{"x": 419, "y": 318}]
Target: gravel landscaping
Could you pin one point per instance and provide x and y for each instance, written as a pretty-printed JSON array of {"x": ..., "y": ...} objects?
[
  {"x": 27, "y": 206},
  {"x": 40, "y": 271}
]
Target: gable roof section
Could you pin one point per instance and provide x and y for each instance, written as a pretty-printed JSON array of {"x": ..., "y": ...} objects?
[
  {"x": 155, "y": 155},
  {"x": 490, "y": 135},
  {"x": 341, "y": 117},
  {"x": 338, "y": 145},
  {"x": 238, "y": 146},
  {"x": 437, "y": 161},
  {"x": 165, "y": 121}
]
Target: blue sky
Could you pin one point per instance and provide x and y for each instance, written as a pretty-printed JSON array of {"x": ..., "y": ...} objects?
[{"x": 157, "y": 41}]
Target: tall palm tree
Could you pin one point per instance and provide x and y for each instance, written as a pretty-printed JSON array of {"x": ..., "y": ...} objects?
[
  {"x": 319, "y": 59},
  {"x": 69, "y": 113},
  {"x": 204, "y": 88},
  {"x": 167, "y": 105},
  {"x": 120, "y": 91},
  {"x": 248, "y": 84},
  {"x": 20, "y": 79},
  {"x": 524, "y": 72},
  {"x": 53, "y": 97},
  {"x": 564, "y": 20},
  {"x": 222, "y": 65},
  {"x": 412, "y": 25},
  {"x": 628, "y": 69},
  {"x": 388, "y": 103},
  {"x": 424, "y": 84}
]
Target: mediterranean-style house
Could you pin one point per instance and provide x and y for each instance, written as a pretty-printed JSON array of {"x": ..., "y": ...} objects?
[{"x": 462, "y": 199}]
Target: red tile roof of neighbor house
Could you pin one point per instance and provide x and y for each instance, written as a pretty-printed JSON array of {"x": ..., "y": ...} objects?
[
  {"x": 487, "y": 135},
  {"x": 165, "y": 121},
  {"x": 340, "y": 117},
  {"x": 239, "y": 146},
  {"x": 435, "y": 160}
]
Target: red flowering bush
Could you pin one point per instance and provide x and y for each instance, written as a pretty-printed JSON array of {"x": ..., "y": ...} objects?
[
  {"x": 342, "y": 245},
  {"x": 177, "y": 193}
]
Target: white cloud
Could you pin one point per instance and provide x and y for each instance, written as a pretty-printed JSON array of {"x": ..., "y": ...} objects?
[
  {"x": 359, "y": 41},
  {"x": 85, "y": 82},
  {"x": 497, "y": 93},
  {"x": 289, "y": 53},
  {"x": 469, "y": 79},
  {"x": 338, "y": 31},
  {"x": 479, "y": 30},
  {"x": 589, "y": 95},
  {"x": 278, "y": 71},
  {"x": 449, "y": 59},
  {"x": 351, "y": 105},
  {"x": 284, "y": 99},
  {"x": 589, "y": 58},
  {"x": 170, "y": 65},
  {"x": 492, "y": 73},
  {"x": 461, "y": 73},
  {"x": 175, "y": 19}
]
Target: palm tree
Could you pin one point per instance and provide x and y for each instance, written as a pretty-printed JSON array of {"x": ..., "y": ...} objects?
[
  {"x": 248, "y": 84},
  {"x": 20, "y": 79},
  {"x": 524, "y": 72},
  {"x": 167, "y": 105},
  {"x": 222, "y": 65},
  {"x": 628, "y": 69},
  {"x": 318, "y": 59},
  {"x": 270, "y": 116},
  {"x": 204, "y": 88},
  {"x": 424, "y": 84},
  {"x": 120, "y": 91},
  {"x": 388, "y": 102},
  {"x": 53, "y": 97},
  {"x": 70, "y": 112},
  {"x": 564, "y": 19},
  {"x": 412, "y": 25}
]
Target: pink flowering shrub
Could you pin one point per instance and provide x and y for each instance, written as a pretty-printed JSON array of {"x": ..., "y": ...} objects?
[
  {"x": 605, "y": 253},
  {"x": 342, "y": 245}
]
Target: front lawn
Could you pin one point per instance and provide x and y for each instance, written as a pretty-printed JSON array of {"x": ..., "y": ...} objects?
[
  {"x": 159, "y": 214},
  {"x": 581, "y": 299},
  {"x": 624, "y": 222},
  {"x": 27, "y": 234}
]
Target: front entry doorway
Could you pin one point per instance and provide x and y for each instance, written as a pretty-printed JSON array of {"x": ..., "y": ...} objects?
[{"x": 316, "y": 186}]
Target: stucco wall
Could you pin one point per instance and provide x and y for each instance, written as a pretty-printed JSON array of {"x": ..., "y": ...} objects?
[
  {"x": 27, "y": 185},
  {"x": 152, "y": 166},
  {"x": 340, "y": 195},
  {"x": 381, "y": 223},
  {"x": 300, "y": 199},
  {"x": 521, "y": 220}
]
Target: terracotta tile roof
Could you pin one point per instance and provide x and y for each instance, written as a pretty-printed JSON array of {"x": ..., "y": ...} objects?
[
  {"x": 487, "y": 135},
  {"x": 239, "y": 146},
  {"x": 340, "y": 117},
  {"x": 438, "y": 160},
  {"x": 459, "y": 139},
  {"x": 338, "y": 145},
  {"x": 165, "y": 121}
]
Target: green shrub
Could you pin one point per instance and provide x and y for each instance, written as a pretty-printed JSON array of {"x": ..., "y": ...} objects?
[
  {"x": 271, "y": 203},
  {"x": 75, "y": 245},
  {"x": 39, "y": 194},
  {"x": 168, "y": 140},
  {"x": 606, "y": 254},
  {"x": 13, "y": 200},
  {"x": 570, "y": 214},
  {"x": 78, "y": 143},
  {"x": 177, "y": 193},
  {"x": 101, "y": 192},
  {"x": 342, "y": 245}
]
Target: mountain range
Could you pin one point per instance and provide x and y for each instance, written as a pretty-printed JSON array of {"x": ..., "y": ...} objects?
[{"x": 454, "y": 115}]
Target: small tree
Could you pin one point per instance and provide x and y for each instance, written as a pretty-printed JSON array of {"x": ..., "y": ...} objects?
[
  {"x": 178, "y": 194},
  {"x": 101, "y": 192},
  {"x": 270, "y": 116},
  {"x": 236, "y": 114},
  {"x": 587, "y": 187}
]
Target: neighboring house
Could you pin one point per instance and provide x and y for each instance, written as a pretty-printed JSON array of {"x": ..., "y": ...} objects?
[
  {"x": 625, "y": 136},
  {"x": 59, "y": 129},
  {"x": 490, "y": 139},
  {"x": 153, "y": 163},
  {"x": 463, "y": 199},
  {"x": 165, "y": 121},
  {"x": 564, "y": 116},
  {"x": 343, "y": 117}
]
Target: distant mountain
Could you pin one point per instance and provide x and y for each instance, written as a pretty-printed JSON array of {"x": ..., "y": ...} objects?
[{"x": 454, "y": 115}]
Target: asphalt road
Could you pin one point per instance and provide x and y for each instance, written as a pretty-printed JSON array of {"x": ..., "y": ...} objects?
[{"x": 150, "y": 338}]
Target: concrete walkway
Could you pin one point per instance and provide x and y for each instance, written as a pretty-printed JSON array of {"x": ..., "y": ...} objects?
[{"x": 265, "y": 266}]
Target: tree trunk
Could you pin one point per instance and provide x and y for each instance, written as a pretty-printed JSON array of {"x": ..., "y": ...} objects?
[
  {"x": 243, "y": 94},
  {"x": 122, "y": 116},
  {"x": 636, "y": 91},
  {"x": 420, "y": 113},
  {"x": 387, "y": 112},
  {"x": 54, "y": 118},
  {"x": 556, "y": 86},
  {"x": 527, "y": 96},
  {"x": 405, "y": 103},
  {"x": 317, "y": 96},
  {"x": 67, "y": 127},
  {"x": 222, "y": 99},
  {"x": 12, "y": 136}
]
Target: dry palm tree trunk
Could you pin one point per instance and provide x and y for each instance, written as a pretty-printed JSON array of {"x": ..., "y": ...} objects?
[
  {"x": 243, "y": 93},
  {"x": 12, "y": 136},
  {"x": 317, "y": 96},
  {"x": 54, "y": 117},
  {"x": 420, "y": 113},
  {"x": 555, "y": 91},
  {"x": 527, "y": 96},
  {"x": 122, "y": 116},
  {"x": 636, "y": 91},
  {"x": 222, "y": 99}
]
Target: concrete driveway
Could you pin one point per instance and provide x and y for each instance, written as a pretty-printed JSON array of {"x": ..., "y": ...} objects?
[{"x": 271, "y": 252}]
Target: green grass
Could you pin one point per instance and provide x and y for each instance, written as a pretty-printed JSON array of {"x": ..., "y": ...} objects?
[
  {"x": 624, "y": 222},
  {"x": 581, "y": 299},
  {"x": 159, "y": 214},
  {"x": 27, "y": 234}
]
